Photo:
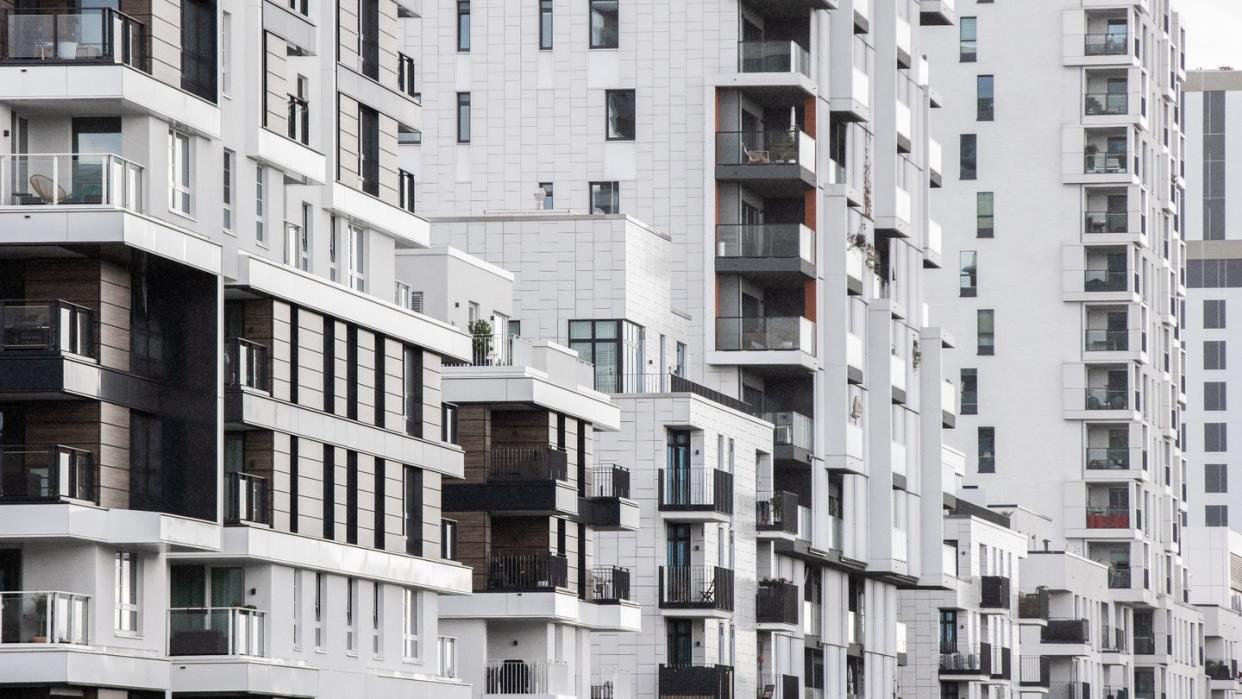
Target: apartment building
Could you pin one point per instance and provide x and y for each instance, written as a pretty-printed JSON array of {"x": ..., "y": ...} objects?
[
  {"x": 221, "y": 455},
  {"x": 780, "y": 154},
  {"x": 1067, "y": 299}
]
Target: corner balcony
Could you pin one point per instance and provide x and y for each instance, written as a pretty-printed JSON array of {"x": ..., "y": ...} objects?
[
  {"x": 525, "y": 480},
  {"x": 527, "y": 572},
  {"x": 959, "y": 658},
  {"x": 1066, "y": 636},
  {"x": 698, "y": 494},
  {"x": 777, "y": 515},
  {"x": 765, "y": 340},
  {"x": 994, "y": 591},
  {"x": 777, "y": 603},
  {"x": 772, "y": 252},
  {"x": 607, "y": 504},
  {"x": 707, "y": 590},
  {"x": 773, "y": 57},
  {"x": 44, "y": 619},
  {"x": 70, "y": 180},
  {"x": 56, "y": 473},
  {"x": 1115, "y": 458},
  {"x": 47, "y": 350},
  {"x": 794, "y": 436},
  {"x": 768, "y": 162},
  {"x": 512, "y": 676},
  {"x": 697, "y": 681},
  {"x": 216, "y": 631},
  {"x": 1033, "y": 608}
]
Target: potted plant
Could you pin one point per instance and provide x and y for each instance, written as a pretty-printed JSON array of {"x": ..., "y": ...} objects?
[{"x": 481, "y": 334}]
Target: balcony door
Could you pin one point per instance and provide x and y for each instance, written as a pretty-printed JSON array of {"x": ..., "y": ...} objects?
[
  {"x": 677, "y": 554},
  {"x": 10, "y": 571},
  {"x": 1117, "y": 33},
  {"x": 677, "y": 485},
  {"x": 680, "y": 642}
]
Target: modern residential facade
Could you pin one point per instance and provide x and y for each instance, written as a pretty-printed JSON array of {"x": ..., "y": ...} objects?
[
  {"x": 221, "y": 456},
  {"x": 1066, "y": 294}
]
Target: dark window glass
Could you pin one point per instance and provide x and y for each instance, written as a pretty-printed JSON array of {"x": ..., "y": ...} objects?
[
  {"x": 605, "y": 24},
  {"x": 620, "y": 126},
  {"x": 463, "y": 117},
  {"x": 545, "y": 24},
  {"x": 1213, "y": 395},
  {"x": 329, "y": 491},
  {"x": 413, "y": 511},
  {"x": 985, "y": 98},
  {"x": 1216, "y": 515},
  {"x": 1214, "y": 314},
  {"x": 351, "y": 497},
  {"x": 1214, "y": 354},
  {"x": 463, "y": 25},
  {"x": 987, "y": 449},
  {"x": 968, "y": 49},
  {"x": 605, "y": 198},
  {"x": 970, "y": 392},
  {"x": 969, "y": 272},
  {"x": 1214, "y": 436},
  {"x": 984, "y": 214},
  {"x": 985, "y": 323},
  {"x": 1215, "y": 478},
  {"x": 413, "y": 391},
  {"x": 968, "y": 156}
]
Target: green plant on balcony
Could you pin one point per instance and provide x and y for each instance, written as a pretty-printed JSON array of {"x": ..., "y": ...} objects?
[{"x": 481, "y": 339}]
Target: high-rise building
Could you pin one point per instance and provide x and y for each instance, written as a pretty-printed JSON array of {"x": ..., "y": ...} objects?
[
  {"x": 221, "y": 444},
  {"x": 726, "y": 203},
  {"x": 1064, "y": 221}
]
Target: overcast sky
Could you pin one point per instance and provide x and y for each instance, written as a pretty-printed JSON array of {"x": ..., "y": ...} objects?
[{"x": 1213, "y": 32}]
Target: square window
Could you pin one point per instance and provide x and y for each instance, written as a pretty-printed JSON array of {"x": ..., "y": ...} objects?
[
  {"x": 605, "y": 198},
  {"x": 1216, "y": 516},
  {"x": 1215, "y": 478},
  {"x": 1213, "y": 395}
]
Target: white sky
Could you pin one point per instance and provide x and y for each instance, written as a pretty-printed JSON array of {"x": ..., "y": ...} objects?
[{"x": 1213, "y": 32}]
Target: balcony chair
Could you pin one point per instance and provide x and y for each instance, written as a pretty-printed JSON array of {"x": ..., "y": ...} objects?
[
  {"x": 757, "y": 157},
  {"x": 43, "y": 186},
  {"x": 708, "y": 596}
]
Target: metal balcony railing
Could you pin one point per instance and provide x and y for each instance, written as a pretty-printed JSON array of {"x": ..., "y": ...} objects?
[
  {"x": 514, "y": 676},
  {"x": 57, "y": 472},
  {"x": 611, "y": 684},
  {"x": 608, "y": 584},
  {"x": 1112, "y": 639},
  {"x": 526, "y": 464},
  {"x": 773, "y": 57},
  {"x": 777, "y": 602},
  {"x": 527, "y": 572},
  {"x": 247, "y": 364},
  {"x": 1119, "y": 578},
  {"x": 236, "y": 631},
  {"x": 963, "y": 657},
  {"x": 1105, "y": 163},
  {"x": 706, "y": 489},
  {"x": 698, "y": 681},
  {"x": 759, "y": 148},
  {"x": 696, "y": 587},
  {"x": 777, "y": 512},
  {"x": 61, "y": 618},
  {"x": 668, "y": 383},
  {"x": 774, "y": 686},
  {"x": 1066, "y": 631},
  {"x": 1033, "y": 671},
  {"x": 607, "y": 482},
  {"x": 70, "y": 179},
  {"x": 73, "y": 35},
  {"x": 248, "y": 499},
  {"x": 45, "y": 326}
]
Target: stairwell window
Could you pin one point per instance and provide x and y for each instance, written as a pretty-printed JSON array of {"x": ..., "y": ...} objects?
[
  {"x": 968, "y": 156},
  {"x": 968, "y": 45},
  {"x": 984, "y": 214},
  {"x": 987, "y": 449},
  {"x": 605, "y": 24},
  {"x": 463, "y": 25},
  {"x": 985, "y": 331},
  {"x": 620, "y": 123},
  {"x": 410, "y": 620},
  {"x": 125, "y": 575},
  {"x": 179, "y": 172},
  {"x": 969, "y": 273},
  {"x": 230, "y": 160},
  {"x": 463, "y": 117},
  {"x": 545, "y": 25},
  {"x": 985, "y": 93},
  {"x": 970, "y": 392}
]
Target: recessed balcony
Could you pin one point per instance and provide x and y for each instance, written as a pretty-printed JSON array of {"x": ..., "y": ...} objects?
[
  {"x": 774, "y": 162},
  {"x": 777, "y": 513},
  {"x": 216, "y": 631},
  {"x": 531, "y": 480},
  {"x": 30, "y": 327},
  {"x": 527, "y": 572},
  {"x": 773, "y": 57},
  {"x": 703, "y": 490},
  {"x": 962, "y": 658},
  {"x": 794, "y": 436},
  {"x": 1115, "y": 458},
  {"x": 247, "y": 499},
  {"x": 73, "y": 35},
  {"x": 777, "y": 602},
  {"x": 696, "y": 587},
  {"x": 1108, "y": 517},
  {"x": 765, "y": 333},
  {"x": 766, "y": 252},
  {"x": 1067, "y": 631},
  {"x": 56, "y": 473},
  {"x": 44, "y": 618},
  {"x": 70, "y": 180}
]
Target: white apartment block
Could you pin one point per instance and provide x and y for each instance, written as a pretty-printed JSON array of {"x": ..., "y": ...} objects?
[
  {"x": 222, "y": 447},
  {"x": 1063, "y": 220}
]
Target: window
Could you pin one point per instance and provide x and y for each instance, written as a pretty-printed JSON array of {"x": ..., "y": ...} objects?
[
  {"x": 368, "y": 38},
  {"x": 334, "y": 243},
  {"x": 355, "y": 260},
  {"x": 605, "y": 197},
  {"x": 260, "y": 212},
  {"x": 985, "y": 321},
  {"x": 1214, "y": 354},
  {"x": 463, "y": 25},
  {"x": 199, "y": 55},
  {"x": 413, "y": 511},
  {"x": 125, "y": 577},
  {"x": 545, "y": 24},
  {"x": 1215, "y": 478},
  {"x": 351, "y": 484},
  {"x": 463, "y": 117},
  {"x": 987, "y": 449},
  {"x": 413, "y": 391},
  {"x": 377, "y": 605},
  {"x": 970, "y": 392},
  {"x": 351, "y": 588},
  {"x": 548, "y": 204},
  {"x": 401, "y": 297},
  {"x": 226, "y": 54},
  {"x": 1216, "y": 516},
  {"x": 416, "y": 301},
  {"x": 1213, "y": 395},
  {"x": 968, "y": 156},
  {"x": 620, "y": 126},
  {"x": 229, "y": 159},
  {"x": 329, "y": 492},
  {"x": 968, "y": 45},
  {"x": 179, "y": 172},
  {"x": 297, "y": 609},
  {"x": 304, "y": 237},
  {"x": 1214, "y": 436},
  {"x": 448, "y": 539},
  {"x": 409, "y": 617},
  {"x": 368, "y": 150},
  {"x": 447, "y": 651},
  {"x": 614, "y": 347},
  {"x": 605, "y": 24},
  {"x": 984, "y": 202},
  {"x": 969, "y": 265},
  {"x": 679, "y": 367},
  {"x": 321, "y": 599},
  {"x": 1214, "y": 314},
  {"x": 985, "y": 94}
]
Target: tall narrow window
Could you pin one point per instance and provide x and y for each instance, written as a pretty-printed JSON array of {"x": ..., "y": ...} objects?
[
  {"x": 413, "y": 511},
  {"x": 329, "y": 492},
  {"x": 448, "y": 539},
  {"x": 969, "y": 273},
  {"x": 985, "y": 97},
  {"x": 381, "y": 493},
  {"x": 351, "y": 590},
  {"x": 968, "y": 48},
  {"x": 226, "y": 55},
  {"x": 970, "y": 392},
  {"x": 293, "y": 468},
  {"x": 377, "y": 614},
  {"x": 355, "y": 262},
  {"x": 329, "y": 365},
  {"x": 368, "y": 37},
  {"x": 321, "y": 600},
  {"x": 351, "y": 497},
  {"x": 409, "y": 624},
  {"x": 413, "y": 392},
  {"x": 620, "y": 122},
  {"x": 968, "y": 156},
  {"x": 179, "y": 172},
  {"x": 605, "y": 198},
  {"x": 334, "y": 244},
  {"x": 985, "y": 331},
  {"x": 230, "y": 159},
  {"x": 984, "y": 214},
  {"x": 463, "y": 25},
  {"x": 296, "y": 601},
  {"x": 545, "y": 24},
  {"x": 125, "y": 576},
  {"x": 368, "y": 150},
  {"x": 260, "y": 208},
  {"x": 351, "y": 372},
  {"x": 987, "y": 449},
  {"x": 463, "y": 117},
  {"x": 605, "y": 24},
  {"x": 198, "y": 48}
]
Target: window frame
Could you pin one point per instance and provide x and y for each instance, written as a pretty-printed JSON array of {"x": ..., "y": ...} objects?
[
  {"x": 127, "y": 593},
  {"x": 463, "y": 26},
  {"x": 599, "y": 39},
  {"x": 988, "y": 464},
  {"x": 968, "y": 281},
  {"x": 968, "y": 143},
  {"x": 605, "y": 188},
  {"x": 260, "y": 205},
  {"x": 988, "y": 349},
  {"x": 618, "y": 127},
  {"x": 963, "y": 56},
  {"x": 228, "y": 167},
  {"x": 465, "y": 111},
  {"x": 546, "y": 25},
  {"x": 1215, "y": 478},
  {"x": 1215, "y": 516},
  {"x": 180, "y": 173},
  {"x": 985, "y": 106},
  {"x": 972, "y": 407},
  {"x": 988, "y": 231},
  {"x": 411, "y": 615}
]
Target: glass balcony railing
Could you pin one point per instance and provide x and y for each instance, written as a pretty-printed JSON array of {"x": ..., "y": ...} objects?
[
  {"x": 246, "y": 364},
  {"x": 1105, "y": 44},
  {"x": 45, "y": 326},
  {"x": 1108, "y": 517},
  {"x": 793, "y": 429},
  {"x": 765, "y": 333},
  {"x": 44, "y": 618},
  {"x": 1104, "y": 340},
  {"x": 1104, "y": 163},
  {"x": 785, "y": 147},
  {"x": 1105, "y": 398},
  {"x": 773, "y": 57},
  {"x": 70, "y": 179},
  {"x": 68, "y": 35},
  {"x": 1114, "y": 458},
  {"x": 1104, "y": 280},
  {"x": 33, "y": 473},
  {"x": 1106, "y": 104},
  {"x": 773, "y": 240},
  {"x": 248, "y": 501},
  {"x": 1106, "y": 221},
  {"x": 236, "y": 631}
]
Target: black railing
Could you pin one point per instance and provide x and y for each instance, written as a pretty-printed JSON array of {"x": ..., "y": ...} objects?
[
  {"x": 1066, "y": 631},
  {"x": 995, "y": 592},
  {"x": 668, "y": 383},
  {"x": 1218, "y": 670},
  {"x": 777, "y": 512},
  {"x": 527, "y": 464},
  {"x": 1033, "y": 605},
  {"x": 607, "y": 482},
  {"x": 248, "y": 500},
  {"x": 1003, "y": 667},
  {"x": 1114, "y": 693},
  {"x": 299, "y": 120},
  {"x": 1097, "y": 340},
  {"x": 526, "y": 572},
  {"x": 57, "y": 472},
  {"x": 608, "y": 584},
  {"x": 73, "y": 35},
  {"x": 1144, "y": 644},
  {"x": 698, "y": 681},
  {"x": 246, "y": 364},
  {"x": 777, "y": 602},
  {"x": 696, "y": 587},
  {"x": 704, "y": 489},
  {"x": 45, "y": 326}
]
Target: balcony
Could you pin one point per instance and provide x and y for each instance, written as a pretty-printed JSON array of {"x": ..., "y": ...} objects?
[
  {"x": 527, "y": 572},
  {"x": 769, "y": 162},
  {"x": 1106, "y": 104},
  {"x": 773, "y": 686},
  {"x": 64, "y": 35},
  {"x": 1106, "y": 222},
  {"x": 1221, "y": 670},
  {"x": 1103, "y": 340},
  {"x": 773, "y": 57},
  {"x": 248, "y": 500},
  {"x": 47, "y": 474},
  {"x": 607, "y": 503},
  {"x": 961, "y": 658},
  {"x": 696, "y": 587},
  {"x": 514, "y": 676},
  {"x": 696, "y": 490},
  {"x": 246, "y": 365},
  {"x": 1033, "y": 606},
  {"x": 1108, "y": 517},
  {"x": 1106, "y": 44},
  {"x": 531, "y": 480},
  {"x": 765, "y": 333},
  {"x": 777, "y": 512},
  {"x": 1144, "y": 644},
  {"x": 766, "y": 251},
  {"x": 70, "y": 180},
  {"x": 1033, "y": 671},
  {"x": 608, "y": 585},
  {"x": 611, "y": 684},
  {"x": 58, "y": 618},
  {"x": 526, "y": 464},
  {"x": 698, "y": 681},
  {"x": 1112, "y": 640},
  {"x": 1066, "y": 631},
  {"x": 233, "y": 631},
  {"x": 45, "y": 327},
  {"x": 794, "y": 437},
  {"x": 777, "y": 602},
  {"x": 1106, "y": 398},
  {"x": 995, "y": 592},
  {"x": 1115, "y": 458},
  {"x": 1104, "y": 280}
]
